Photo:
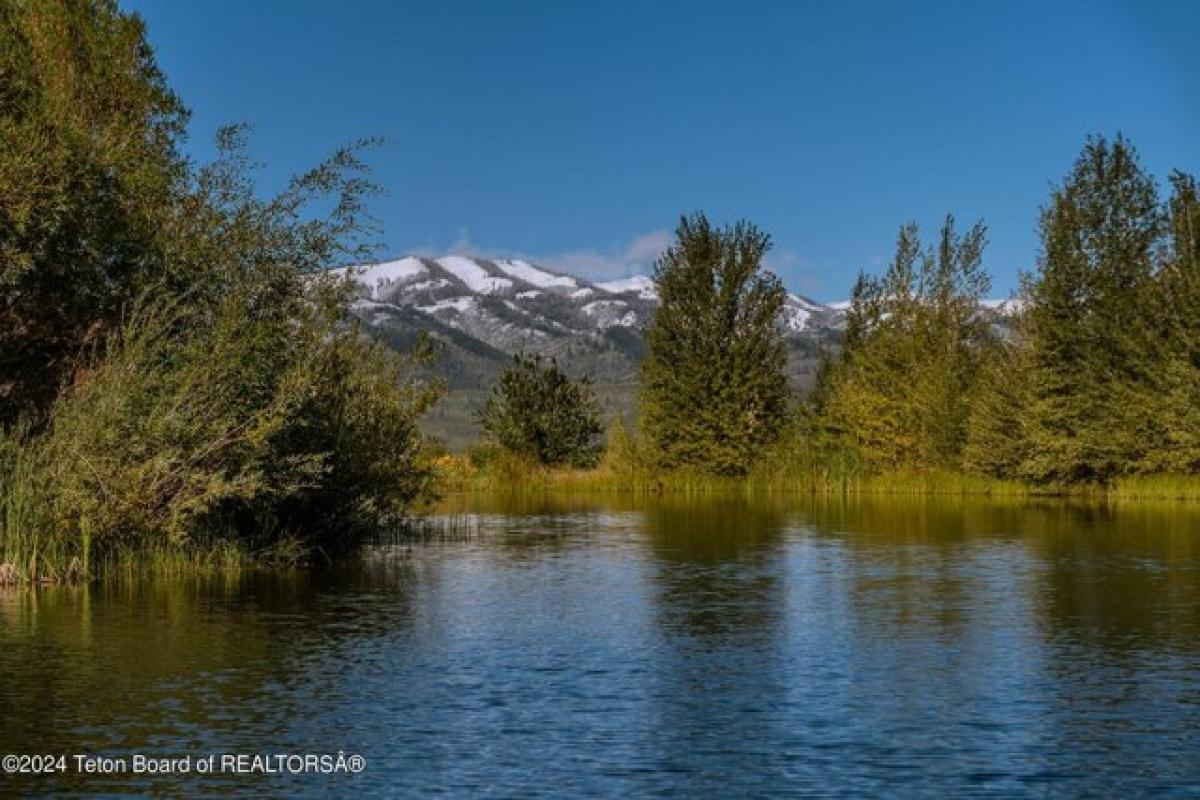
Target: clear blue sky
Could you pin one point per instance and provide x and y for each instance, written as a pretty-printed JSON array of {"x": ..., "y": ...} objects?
[{"x": 577, "y": 132}]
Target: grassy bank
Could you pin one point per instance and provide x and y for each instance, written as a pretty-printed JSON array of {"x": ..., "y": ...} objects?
[
  {"x": 27, "y": 557},
  {"x": 460, "y": 474},
  {"x": 1155, "y": 487},
  {"x": 513, "y": 475}
]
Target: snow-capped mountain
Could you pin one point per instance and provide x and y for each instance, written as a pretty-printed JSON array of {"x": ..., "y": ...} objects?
[
  {"x": 482, "y": 311},
  {"x": 507, "y": 305}
]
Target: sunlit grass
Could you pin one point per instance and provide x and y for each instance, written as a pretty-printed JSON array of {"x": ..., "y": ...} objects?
[
  {"x": 1156, "y": 487},
  {"x": 523, "y": 476},
  {"x": 457, "y": 474}
]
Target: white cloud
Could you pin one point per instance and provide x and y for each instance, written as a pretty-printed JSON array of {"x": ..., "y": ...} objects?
[
  {"x": 646, "y": 248},
  {"x": 634, "y": 258},
  {"x": 461, "y": 246}
]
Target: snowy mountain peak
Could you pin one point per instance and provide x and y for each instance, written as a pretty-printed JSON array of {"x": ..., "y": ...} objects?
[
  {"x": 379, "y": 276},
  {"x": 640, "y": 285},
  {"x": 483, "y": 310},
  {"x": 535, "y": 302},
  {"x": 523, "y": 270}
]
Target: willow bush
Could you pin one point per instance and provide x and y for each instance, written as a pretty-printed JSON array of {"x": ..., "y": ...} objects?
[{"x": 177, "y": 367}]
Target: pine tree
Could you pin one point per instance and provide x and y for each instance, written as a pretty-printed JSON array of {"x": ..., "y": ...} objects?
[{"x": 714, "y": 391}]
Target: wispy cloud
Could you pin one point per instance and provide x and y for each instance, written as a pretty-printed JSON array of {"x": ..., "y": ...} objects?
[
  {"x": 635, "y": 257},
  {"x": 799, "y": 273}
]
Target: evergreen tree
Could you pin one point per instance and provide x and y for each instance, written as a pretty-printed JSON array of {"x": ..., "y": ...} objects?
[
  {"x": 536, "y": 410},
  {"x": 1088, "y": 322},
  {"x": 714, "y": 392}
]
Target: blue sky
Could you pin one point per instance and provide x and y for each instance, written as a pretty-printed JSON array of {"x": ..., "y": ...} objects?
[{"x": 576, "y": 132}]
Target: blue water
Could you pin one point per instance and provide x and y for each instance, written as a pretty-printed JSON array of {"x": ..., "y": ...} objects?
[{"x": 598, "y": 648}]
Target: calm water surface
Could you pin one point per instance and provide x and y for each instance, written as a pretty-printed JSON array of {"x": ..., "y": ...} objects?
[{"x": 578, "y": 647}]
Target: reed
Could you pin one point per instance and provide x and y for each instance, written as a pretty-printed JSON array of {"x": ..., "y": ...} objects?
[
  {"x": 1156, "y": 487},
  {"x": 456, "y": 474}
]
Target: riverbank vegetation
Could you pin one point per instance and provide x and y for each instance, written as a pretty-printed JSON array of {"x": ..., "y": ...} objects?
[{"x": 178, "y": 374}]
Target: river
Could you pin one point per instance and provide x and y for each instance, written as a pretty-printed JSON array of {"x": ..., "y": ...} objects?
[{"x": 590, "y": 646}]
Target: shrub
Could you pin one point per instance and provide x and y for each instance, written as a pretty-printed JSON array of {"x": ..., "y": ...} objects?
[
  {"x": 299, "y": 436},
  {"x": 177, "y": 370},
  {"x": 536, "y": 411}
]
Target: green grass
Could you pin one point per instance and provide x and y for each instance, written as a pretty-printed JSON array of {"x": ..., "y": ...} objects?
[
  {"x": 1156, "y": 487},
  {"x": 514, "y": 475}
]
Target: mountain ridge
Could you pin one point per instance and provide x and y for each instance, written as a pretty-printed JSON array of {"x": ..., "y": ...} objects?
[{"x": 482, "y": 311}]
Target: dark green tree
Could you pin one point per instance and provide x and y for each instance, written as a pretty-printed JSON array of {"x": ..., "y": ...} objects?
[
  {"x": 536, "y": 410},
  {"x": 714, "y": 392}
]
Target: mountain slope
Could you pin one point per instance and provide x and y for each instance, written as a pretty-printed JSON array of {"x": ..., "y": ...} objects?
[{"x": 482, "y": 311}]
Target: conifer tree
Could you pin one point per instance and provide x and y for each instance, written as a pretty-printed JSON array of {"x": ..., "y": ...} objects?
[{"x": 714, "y": 392}]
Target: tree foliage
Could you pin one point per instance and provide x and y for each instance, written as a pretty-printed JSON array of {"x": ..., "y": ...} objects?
[
  {"x": 175, "y": 362},
  {"x": 714, "y": 392},
  {"x": 1172, "y": 393},
  {"x": 1093, "y": 373},
  {"x": 536, "y": 410},
  {"x": 1101, "y": 377},
  {"x": 915, "y": 341},
  {"x": 1089, "y": 323},
  {"x": 89, "y": 171}
]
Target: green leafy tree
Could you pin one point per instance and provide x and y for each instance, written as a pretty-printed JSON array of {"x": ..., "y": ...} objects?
[
  {"x": 714, "y": 392},
  {"x": 997, "y": 436},
  {"x": 89, "y": 169},
  {"x": 536, "y": 410},
  {"x": 246, "y": 408},
  {"x": 912, "y": 353},
  {"x": 1172, "y": 388},
  {"x": 176, "y": 363}
]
